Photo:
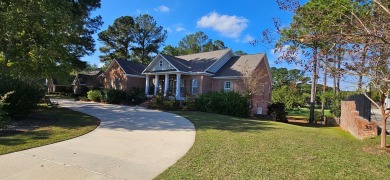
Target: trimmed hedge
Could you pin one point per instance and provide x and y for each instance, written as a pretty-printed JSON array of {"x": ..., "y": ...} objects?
[
  {"x": 114, "y": 96},
  {"x": 228, "y": 103},
  {"x": 159, "y": 102}
]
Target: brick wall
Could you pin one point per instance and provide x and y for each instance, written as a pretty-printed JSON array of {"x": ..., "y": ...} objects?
[
  {"x": 137, "y": 82},
  {"x": 114, "y": 72},
  {"x": 351, "y": 121}
]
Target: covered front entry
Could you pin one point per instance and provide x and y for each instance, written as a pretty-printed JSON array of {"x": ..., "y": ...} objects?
[{"x": 168, "y": 85}]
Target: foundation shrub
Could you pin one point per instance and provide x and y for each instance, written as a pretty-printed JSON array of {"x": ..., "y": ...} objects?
[
  {"x": 94, "y": 95},
  {"x": 228, "y": 103}
]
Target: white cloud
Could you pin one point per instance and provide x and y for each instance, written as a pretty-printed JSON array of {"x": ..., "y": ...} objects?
[
  {"x": 248, "y": 38},
  {"x": 169, "y": 29},
  {"x": 162, "y": 9},
  {"x": 229, "y": 26},
  {"x": 180, "y": 29}
]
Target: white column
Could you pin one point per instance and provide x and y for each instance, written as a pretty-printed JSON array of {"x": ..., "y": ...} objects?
[
  {"x": 155, "y": 84},
  {"x": 147, "y": 84},
  {"x": 166, "y": 84},
  {"x": 178, "y": 79}
]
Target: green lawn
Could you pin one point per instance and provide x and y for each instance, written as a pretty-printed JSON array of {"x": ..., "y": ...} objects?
[
  {"x": 238, "y": 148},
  {"x": 55, "y": 124},
  {"x": 305, "y": 112}
]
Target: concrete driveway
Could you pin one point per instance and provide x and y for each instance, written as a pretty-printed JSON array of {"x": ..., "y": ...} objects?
[{"x": 130, "y": 143}]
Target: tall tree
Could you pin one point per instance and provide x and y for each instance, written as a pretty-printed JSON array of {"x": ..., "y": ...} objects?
[
  {"x": 170, "y": 50},
  {"x": 45, "y": 37},
  {"x": 117, "y": 39},
  {"x": 307, "y": 34},
  {"x": 199, "y": 42},
  {"x": 148, "y": 38},
  {"x": 239, "y": 53},
  {"x": 193, "y": 43}
]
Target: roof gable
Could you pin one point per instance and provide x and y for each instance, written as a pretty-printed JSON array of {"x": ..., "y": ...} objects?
[{"x": 163, "y": 63}]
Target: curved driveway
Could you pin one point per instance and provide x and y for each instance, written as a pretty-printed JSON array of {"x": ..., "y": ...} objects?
[{"x": 130, "y": 143}]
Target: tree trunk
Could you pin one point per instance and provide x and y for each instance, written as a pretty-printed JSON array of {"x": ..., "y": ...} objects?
[
  {"x": 313, "y": 86},
  {"x": 338, "y": 70},
  {"x": 360, "y": 82},
  {"x": 324, "y": 87},
  {"x": 383, "y": 133}
]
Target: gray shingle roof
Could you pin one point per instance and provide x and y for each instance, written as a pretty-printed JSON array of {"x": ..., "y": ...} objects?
[
  {"x": 180, "y": 64},
  {"x": 195, "y": 62},
  {"x": 131, "y": 67},
  {"x": 201, "y": 61},
  {"x": 240, "y": 65}
]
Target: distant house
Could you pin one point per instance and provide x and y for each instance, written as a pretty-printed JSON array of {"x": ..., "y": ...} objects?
[
  {"x": 123, "y": 75},
  {"x": 190, "y": 75},
  {"x": 85, "y": 81},
  {"x": 54, "y": 86}
]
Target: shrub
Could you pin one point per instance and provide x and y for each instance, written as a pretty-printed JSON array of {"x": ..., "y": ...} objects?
[
  {"x": 159, "y": 102},
  {"x": 136, "y": 96},
  {"x": 114, "y": 96},
  {"x": 228, "y": 103},
  {"x": 4, "y": 119},
  {"x": 278, "y": 109},
  {"x": 25, "y": 97},
  {"x": 94, "y": 95},
  {"x": 190, "y": 104}
]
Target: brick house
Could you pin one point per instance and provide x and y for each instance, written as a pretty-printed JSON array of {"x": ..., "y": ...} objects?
[
  {"x": 123, "y": 75},
  {"x": 189, "y": 75},
  {"x": 209, "y": 71}
]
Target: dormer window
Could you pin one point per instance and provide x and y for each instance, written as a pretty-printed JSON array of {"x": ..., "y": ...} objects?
[{"x": 161, "y": 63}]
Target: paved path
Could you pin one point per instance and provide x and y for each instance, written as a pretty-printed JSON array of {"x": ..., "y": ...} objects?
[
  {"x": 376, "y": 115},
  {"x": 130, "y": 143}
]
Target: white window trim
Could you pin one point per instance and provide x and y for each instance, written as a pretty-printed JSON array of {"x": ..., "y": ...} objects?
[
  {"x": 194, "y": 85},
  {"x": 228, "y": 89}
]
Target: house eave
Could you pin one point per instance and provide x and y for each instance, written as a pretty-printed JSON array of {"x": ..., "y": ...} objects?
[
  {"x": 136, "y": 76},
  {"x": 228, "y": 77}
]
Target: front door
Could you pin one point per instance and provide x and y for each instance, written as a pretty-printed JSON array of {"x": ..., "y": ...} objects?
[{"x": 172, "y": 86}]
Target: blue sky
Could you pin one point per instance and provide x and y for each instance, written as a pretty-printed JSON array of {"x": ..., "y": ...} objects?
[{"x": 233, "y": 22}]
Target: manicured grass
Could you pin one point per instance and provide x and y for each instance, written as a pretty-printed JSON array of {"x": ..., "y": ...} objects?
[
  {"x": 238, "y": 148},
  {"x": 304, "y": 113},
  {"x": 53, "y": 125}
]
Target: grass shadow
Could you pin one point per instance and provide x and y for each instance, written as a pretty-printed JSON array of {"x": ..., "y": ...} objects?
[
  {"x": 24, "y": 137},
  {"x": 306, "y": 124},
  {"x": 205, "y": 121}
]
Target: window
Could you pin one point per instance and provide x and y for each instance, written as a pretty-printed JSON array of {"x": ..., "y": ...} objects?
[
  {"x": 228, "y": 86},
  {"x": 118, "y": 83},
  {"x": 194, "y": 86},
  {"x": 161, "y": 63},
  {"x": 261, "y": 88}
]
